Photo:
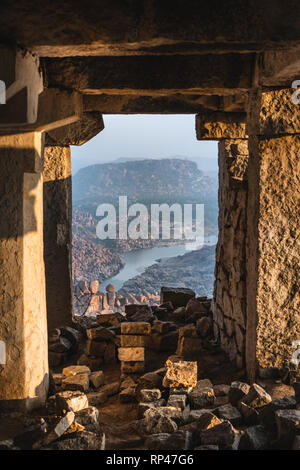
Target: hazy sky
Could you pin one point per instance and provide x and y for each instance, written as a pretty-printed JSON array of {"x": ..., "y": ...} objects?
[{"x": 147, "y": 136}]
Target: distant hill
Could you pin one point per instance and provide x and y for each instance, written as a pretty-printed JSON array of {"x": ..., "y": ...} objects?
[{"x": 145, "y": 181}]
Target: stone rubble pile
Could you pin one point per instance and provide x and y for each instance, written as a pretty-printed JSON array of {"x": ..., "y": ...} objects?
[
  {"x": 72, "y": 419},
  {"x": 184, "y": 414}
]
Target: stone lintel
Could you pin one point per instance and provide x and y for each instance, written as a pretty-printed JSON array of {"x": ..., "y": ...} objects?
[
  {"x": 177, "y": 103},
  {"x": 77, "y": 133},
  {"x": 217, "y": 126},
  {"x": 156, "y": 75}
]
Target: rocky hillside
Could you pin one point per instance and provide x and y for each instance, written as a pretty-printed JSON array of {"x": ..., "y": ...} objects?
[
  {"x": 144, "y": 181},
  {"x": 195, "y": 270}
]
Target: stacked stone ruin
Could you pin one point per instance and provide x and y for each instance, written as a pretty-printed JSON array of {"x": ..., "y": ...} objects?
[{"x": 134, "y": 339}]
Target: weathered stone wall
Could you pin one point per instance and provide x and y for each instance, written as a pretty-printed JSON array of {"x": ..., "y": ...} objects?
[
  {"x": 58, "y": 235},
  {"x": 229, "y": 304}
]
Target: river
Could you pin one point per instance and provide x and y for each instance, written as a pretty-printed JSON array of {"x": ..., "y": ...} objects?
[{"x": 137, "y": 261}]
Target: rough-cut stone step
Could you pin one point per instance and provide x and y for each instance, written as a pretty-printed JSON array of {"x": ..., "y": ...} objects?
[{"x": 188, "y": 347}]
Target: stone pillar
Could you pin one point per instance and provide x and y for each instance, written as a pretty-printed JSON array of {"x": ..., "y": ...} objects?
[
  {"x": 273, "y": 241},
  {"x": 23, "y": 325},
  {"x": 58, "y": 235},
  {"x": 229, "y": 303}
]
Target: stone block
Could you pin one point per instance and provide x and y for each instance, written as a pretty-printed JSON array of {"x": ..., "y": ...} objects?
[
  {"x": 135, "y": 328},
  {"x": 178, "y": 296},
  {"x": 97, "y": 398},
  {"x": 188, "y": 331},
  {"x": 76, "y": 382},
  {"x": 201, "y": 397},
  {"x": 59, "y": 428},
  {"x": 100, "y": 333},
  {"x": 97, "y": 378},
  {"x": 131, "y": 354},
  {"x": 70, "y": 371},
  {"x": 224, "y": 435},
  {"x": 237, "y": 392},
  {"x": 255, "y": 438},
  {"x": 110, "y": 354},
  {"x": 189, "y": 346},
  {"x": 150, "y": 395},
  {"x": 288, "y": 426},
  {"x": 229, "y": 413},
  {"x": 127, "y": 395},
  {"x": 167, "y": 342},
  {"x": 89, "y": 418},
  {"x": 134, "y": 341},
  {"x": 177, "y": 401},
  {"x": 161, "y": 327},
  {"x": 257, "y": 397},
  {"x": 132, "y": 367},
  {"x": 204, "y": 326},
  {"x": 71, "y": 401},
  {"x": 95, "y": 348},
  {"x": 180, "y": 374},
  {"x": 84, "y": 440}
]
